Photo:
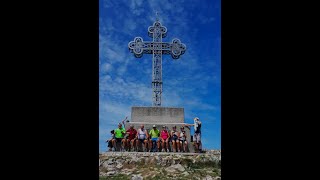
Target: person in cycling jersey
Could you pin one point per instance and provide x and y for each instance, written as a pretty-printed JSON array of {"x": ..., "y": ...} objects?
[
  {"x": 131, "y": 138},
  {"x": 119, "y": 137},
  {"x": 154, "y": 133},
  {"x": 164, "y": 138}
]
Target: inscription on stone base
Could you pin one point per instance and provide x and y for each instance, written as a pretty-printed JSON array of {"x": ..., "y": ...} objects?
[{"x": 157, "y": 114}]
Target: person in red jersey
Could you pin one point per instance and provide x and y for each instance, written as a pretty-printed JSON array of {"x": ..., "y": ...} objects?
[
  {"x": 131, "y": 138},
  {"x": 164, "y": 138}
]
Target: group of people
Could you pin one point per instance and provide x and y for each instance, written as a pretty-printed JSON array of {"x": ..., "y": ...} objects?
[{"x": 132, "y": 139}]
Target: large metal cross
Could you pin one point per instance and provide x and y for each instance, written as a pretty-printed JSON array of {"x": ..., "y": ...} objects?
[{"x": 157, "y": 48}]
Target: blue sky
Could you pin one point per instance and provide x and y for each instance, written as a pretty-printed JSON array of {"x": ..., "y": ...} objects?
[{"x": 192, "y": 82}]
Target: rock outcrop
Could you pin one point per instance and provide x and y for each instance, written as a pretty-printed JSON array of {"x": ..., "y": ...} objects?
[{"x": 139, "y": 166}]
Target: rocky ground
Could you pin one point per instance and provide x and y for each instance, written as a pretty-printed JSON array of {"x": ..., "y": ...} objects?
[{"x": 138, "y": 166}]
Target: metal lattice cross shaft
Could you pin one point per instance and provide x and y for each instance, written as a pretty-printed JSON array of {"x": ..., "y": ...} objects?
[{"x": 138, "y": 47}]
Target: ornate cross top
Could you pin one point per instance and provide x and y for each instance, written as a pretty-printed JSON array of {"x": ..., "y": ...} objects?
[
  {"x": 138, "y": 47},
  {"x": 157, "y": 16}
]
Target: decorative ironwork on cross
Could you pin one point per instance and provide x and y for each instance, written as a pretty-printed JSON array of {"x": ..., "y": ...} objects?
[{"x": 139, "y": 47}]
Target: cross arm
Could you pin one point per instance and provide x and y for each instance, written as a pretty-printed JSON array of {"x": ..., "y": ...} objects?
[{"x": 138, "y": 47}]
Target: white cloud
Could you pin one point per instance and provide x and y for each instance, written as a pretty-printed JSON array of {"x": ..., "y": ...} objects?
[
  {"x": 111, "y": 49},
  {"x": 106, "y": 67},
  {"x": 106, "y": 25},
  {"x": 119, "y": 109},
  {"x": 125, "y": 90},
  {"x": 130, "y": 25},
  {"x": 136, "y": 7},
  {"x": 204, "y": 19},
  {"x": 200, "y": 105},
  {"x": 108, "y": 3}
]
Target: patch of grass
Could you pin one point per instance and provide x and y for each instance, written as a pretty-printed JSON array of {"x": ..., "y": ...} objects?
[
  {"x": 207, "y": 164},
  {"x": 128, "y": 166},
  {"x": 164, "y": 172},
  {"x": 164, "y": 177},
  {"x": 159, "y": 177},
  {"x": 141, "y": 162},
  {"x": 216, "y": 172},
  {"x": 194, "y": 177},
  {"x": 157, "y": 166},
  {"x": 187, "y": 162},
  {"x": 184, "y": 178},
  {"x": 116, "y": 177},
  {"x": 103, "y": 169},
  {"x": 149, "y": 174}
]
